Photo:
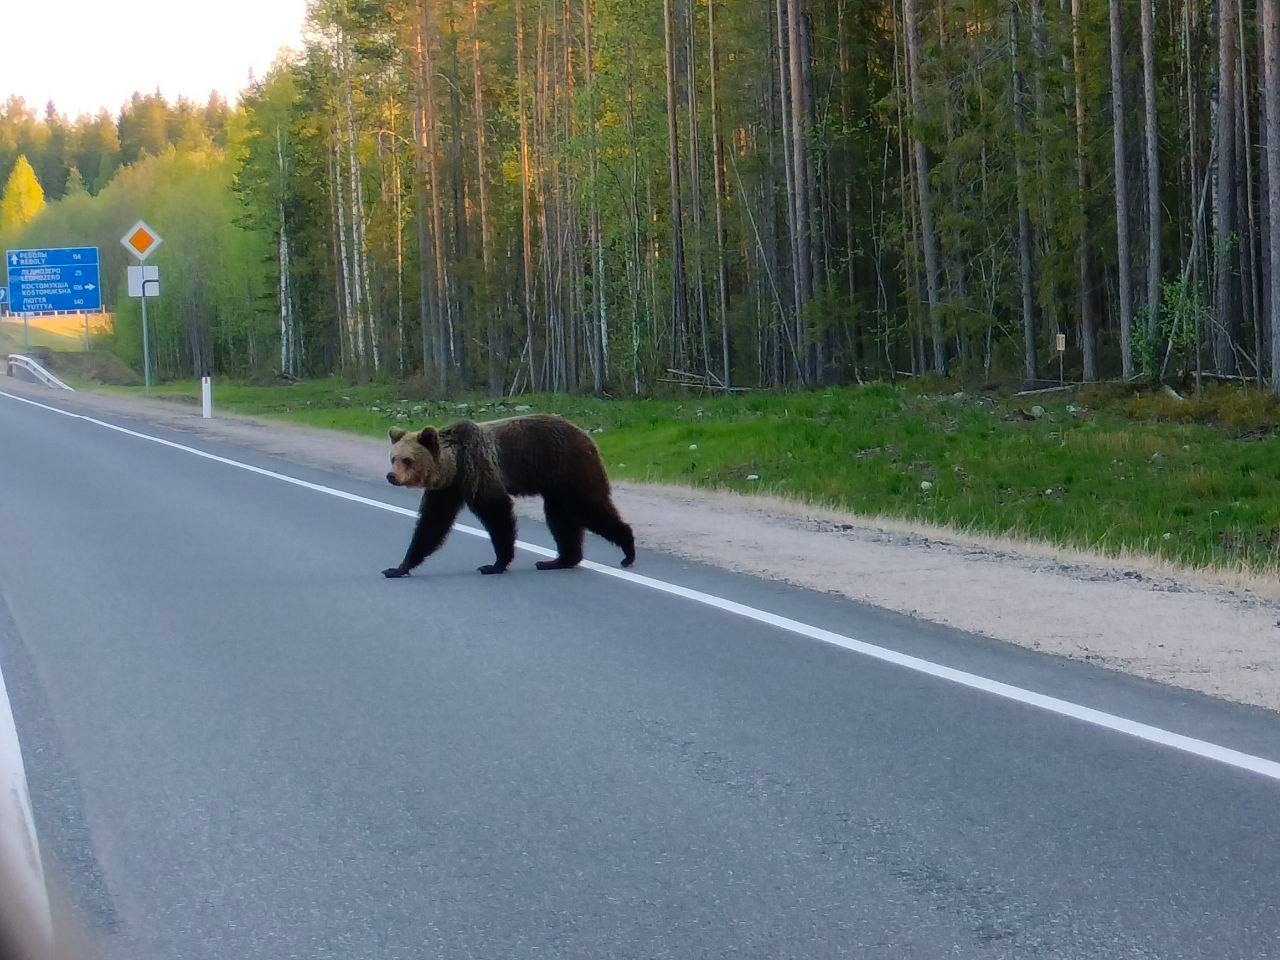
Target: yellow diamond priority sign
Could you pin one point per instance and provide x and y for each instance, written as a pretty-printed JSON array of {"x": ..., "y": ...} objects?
[{"x": 141, "y": 240}]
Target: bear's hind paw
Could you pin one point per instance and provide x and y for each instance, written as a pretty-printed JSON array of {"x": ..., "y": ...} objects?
[
  {"x": 490, "y": 569},
  {"x": 394, "y": 573}
]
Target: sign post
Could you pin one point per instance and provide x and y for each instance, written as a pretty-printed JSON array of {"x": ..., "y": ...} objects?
[
  {"x": 146, "y": 350},
  {"x": 206, "y": 398},
  {"x": 144, "y": 282},
  {"x": 1061, "y": 344}
]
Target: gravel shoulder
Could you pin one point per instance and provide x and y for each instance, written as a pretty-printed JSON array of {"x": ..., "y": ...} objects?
[{"x": 1214, "y": 633}]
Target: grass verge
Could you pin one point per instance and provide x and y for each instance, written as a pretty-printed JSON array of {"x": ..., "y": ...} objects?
[{"x": 1107, "y": 473}]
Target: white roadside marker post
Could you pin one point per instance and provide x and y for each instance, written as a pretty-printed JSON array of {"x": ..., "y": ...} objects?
[{"x": 206, "y": 397}]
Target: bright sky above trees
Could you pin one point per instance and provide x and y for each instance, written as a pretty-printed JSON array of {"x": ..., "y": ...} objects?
[{"x": 88, "y": 54}]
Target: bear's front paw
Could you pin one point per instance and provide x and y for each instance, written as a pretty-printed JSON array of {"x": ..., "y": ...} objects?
[
  {"x": 394, "y": 573},
  {"x": 489, "y": 569}
]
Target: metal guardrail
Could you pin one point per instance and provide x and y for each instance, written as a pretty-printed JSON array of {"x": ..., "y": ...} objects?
[{"x": 18, "y": 361}]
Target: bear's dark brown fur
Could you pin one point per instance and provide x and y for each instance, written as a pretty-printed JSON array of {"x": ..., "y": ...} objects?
[{"x": 483, "y": 465}]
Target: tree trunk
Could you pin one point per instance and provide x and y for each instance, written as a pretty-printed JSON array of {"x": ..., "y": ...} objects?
[
  {"x": 397, "y": 186},
  {"x": 1226, "y": 252},
  {"x": 354, "y": 197},
  {"x": 599, "y": 330},
  {"x": 1124, "y": 249},
  {"x": 1152, "y": 125},
  {"x": 461, "y": 303},
  {"x": 1024, "y": 214},
  {"x": 788, "y": 170},
  {"x": 1047, "y": 233},
  {"x": 717, "y": 162},
  {"x": 482, "y": 189},
  {"x": 425, "y": 253},
  {"x": 287, "y": 356},
  {"x": 1271, "y": 86},
  {"x": 354, "y": 357},
  {"x": 1264, "y": 209},
  {"x": 801, "y": 164},
  {"x": 1250, "y": 274},
  {"x": 526, "y": 220},
  {"x": 680, "y": 306},
  {"x": 1084, "y": 255},
  {"x": 444, "y": 336},
  {"x": 695, "y": 186},
  {"x": 928, "y": 231}
]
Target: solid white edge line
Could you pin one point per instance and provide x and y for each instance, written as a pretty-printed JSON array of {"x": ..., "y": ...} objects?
[{"x": 1065, "y": 708}]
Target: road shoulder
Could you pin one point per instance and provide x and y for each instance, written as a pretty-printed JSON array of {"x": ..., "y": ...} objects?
[{"x": 1177, "y": 628}]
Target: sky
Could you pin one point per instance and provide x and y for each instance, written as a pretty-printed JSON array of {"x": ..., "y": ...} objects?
[{"x": 88, "y": 54}]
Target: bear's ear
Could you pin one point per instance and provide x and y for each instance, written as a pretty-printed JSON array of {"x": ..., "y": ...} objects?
[
  {"x": 430, "y": 439},
  {"x": 396, "y": 434}
]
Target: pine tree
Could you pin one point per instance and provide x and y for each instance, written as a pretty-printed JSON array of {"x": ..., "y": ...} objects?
[{"x": 75, "y": 183}]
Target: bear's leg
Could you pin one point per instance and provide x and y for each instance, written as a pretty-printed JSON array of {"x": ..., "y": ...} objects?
[
  {"x": 435, "y": 519},
  {"x": 566, "y": 528},
  {"x": 604, "y": 520},
  {"x": 497, "y": 513}
]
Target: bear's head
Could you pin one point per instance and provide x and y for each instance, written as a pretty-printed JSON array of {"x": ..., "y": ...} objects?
[{"x": 417, "y": 460}]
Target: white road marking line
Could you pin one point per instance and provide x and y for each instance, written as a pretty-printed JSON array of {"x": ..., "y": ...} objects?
[{"x": 1065, "y": 708}]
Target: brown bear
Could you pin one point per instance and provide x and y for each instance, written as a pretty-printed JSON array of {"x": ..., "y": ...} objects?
[{"x": 484, "y": 465}]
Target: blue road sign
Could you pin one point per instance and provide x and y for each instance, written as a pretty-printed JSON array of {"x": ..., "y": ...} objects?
[{"x": 45, "y": 280}]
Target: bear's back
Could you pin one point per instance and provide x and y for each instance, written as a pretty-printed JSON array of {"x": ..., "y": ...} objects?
[{"x": 543, "y": 454}]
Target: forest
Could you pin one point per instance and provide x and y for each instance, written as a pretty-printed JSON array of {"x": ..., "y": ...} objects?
[{"x": 615, "y": 197}]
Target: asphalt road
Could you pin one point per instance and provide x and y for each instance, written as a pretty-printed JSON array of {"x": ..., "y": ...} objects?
[{"x": 242, "y": 742}]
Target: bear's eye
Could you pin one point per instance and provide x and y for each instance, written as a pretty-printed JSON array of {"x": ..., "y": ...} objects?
[{"x": 407, "y": 461}]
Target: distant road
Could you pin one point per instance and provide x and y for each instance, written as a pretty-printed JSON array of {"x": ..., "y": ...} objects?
[{"x": 243, "y": 743}]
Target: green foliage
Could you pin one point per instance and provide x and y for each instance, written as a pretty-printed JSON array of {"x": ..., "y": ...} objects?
[
  {"x": 376, "y": 186},
  {"x": 92, "y": 145},
  {"x": 1184, "y": 310},
  {"x": 23, "y": 197},
  {"x": 209, "y": 313}
]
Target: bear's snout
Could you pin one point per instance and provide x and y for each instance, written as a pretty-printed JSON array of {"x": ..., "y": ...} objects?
[{"x": 391, "y": 479}]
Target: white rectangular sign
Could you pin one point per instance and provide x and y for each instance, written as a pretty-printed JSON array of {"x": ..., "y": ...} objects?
[{"x": 144, "y": 281}]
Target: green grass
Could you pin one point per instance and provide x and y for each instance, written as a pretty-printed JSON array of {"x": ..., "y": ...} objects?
[{"x": 1120, "y": 474}]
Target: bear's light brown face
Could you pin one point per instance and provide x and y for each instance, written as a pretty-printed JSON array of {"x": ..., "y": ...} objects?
[{"x": 416, "y": 460}]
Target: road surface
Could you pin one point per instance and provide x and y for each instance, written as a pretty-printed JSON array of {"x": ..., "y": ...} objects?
[{"x": 242, "y": 742}]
